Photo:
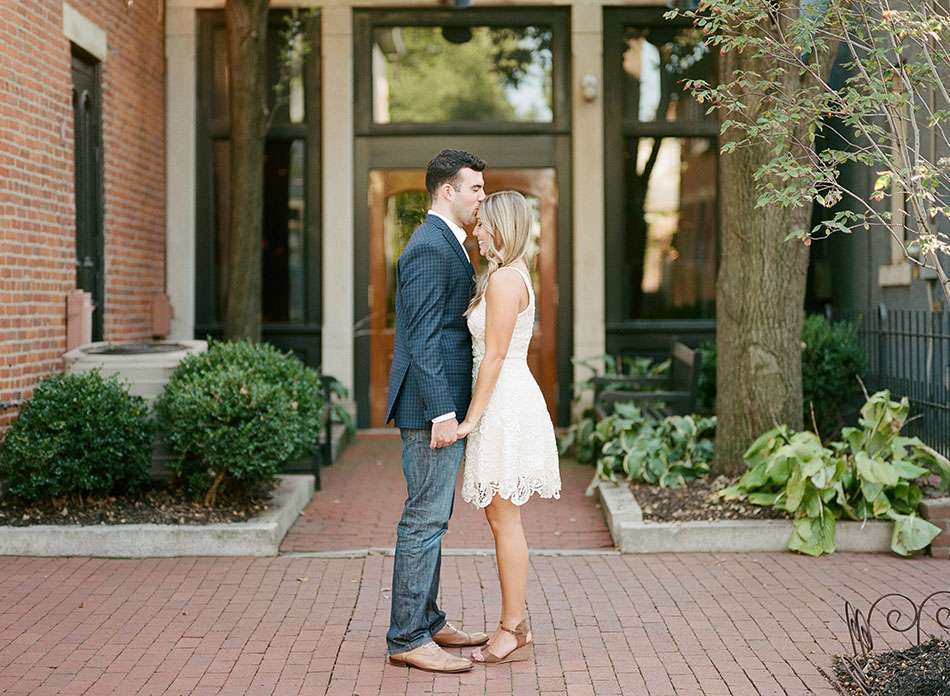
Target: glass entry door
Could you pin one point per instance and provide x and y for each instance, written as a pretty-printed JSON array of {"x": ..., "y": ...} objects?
[{"x": 397, "y": 204}]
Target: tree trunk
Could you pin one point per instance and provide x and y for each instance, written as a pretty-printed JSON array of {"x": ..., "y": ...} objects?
[
  {"x": 760, "y": 296},
  {"x": 247, "y": 43}
]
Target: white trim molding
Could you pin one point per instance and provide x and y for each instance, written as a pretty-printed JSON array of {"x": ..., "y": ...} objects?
[
  {"x": 181, "y": 36},
  {"x": 84, "y": 33}
]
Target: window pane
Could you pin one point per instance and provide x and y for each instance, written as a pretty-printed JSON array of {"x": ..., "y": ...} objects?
[
  {"x": 670, "y": 239},
  {"x": 655, "y": 61},
  {"x": 290, "y": 55},
  {"x": 282, "y": 243},
  {"x": 292, "y": 107},
  {"x": 283, "y": 232},
  {"x": 443, "y": 74}
]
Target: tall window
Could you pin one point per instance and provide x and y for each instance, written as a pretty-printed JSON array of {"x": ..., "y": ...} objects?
[
  {"x": 290, "y": 245},
  {"x": 662, "y": 168}
]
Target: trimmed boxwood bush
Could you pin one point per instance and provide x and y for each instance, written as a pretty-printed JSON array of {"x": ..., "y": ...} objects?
[
  {"x": 236, "y": 414},
  {"x": 78, "y": 434}
]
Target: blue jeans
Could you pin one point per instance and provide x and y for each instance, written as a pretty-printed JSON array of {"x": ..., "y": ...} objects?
[{"x": 430, "y": 480}]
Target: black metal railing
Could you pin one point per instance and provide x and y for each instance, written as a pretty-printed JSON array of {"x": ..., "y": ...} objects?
[{"x": 908, "y": 353}]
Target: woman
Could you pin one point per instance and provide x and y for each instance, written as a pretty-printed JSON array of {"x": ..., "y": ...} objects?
[{"x": 510, "y": 451}]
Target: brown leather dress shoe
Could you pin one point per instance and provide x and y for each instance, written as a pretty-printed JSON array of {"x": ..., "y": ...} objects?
[
  {"x": 431, "y": 658},
  {"x": 450, "y": 637}
]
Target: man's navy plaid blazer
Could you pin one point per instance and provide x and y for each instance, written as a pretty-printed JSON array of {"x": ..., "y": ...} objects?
[{"x": 431, "y": 372}]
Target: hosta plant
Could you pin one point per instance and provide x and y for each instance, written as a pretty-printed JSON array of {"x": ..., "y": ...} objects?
[
  {"x": 870, "y": 474},
  {"x": 667, "y": 453},
  {"x": 579, "y": 436}
]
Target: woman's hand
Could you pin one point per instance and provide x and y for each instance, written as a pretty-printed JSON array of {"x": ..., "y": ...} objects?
[{"x": 465, "y": 427}]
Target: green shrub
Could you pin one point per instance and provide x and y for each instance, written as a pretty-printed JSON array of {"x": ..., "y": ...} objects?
[
  {"x": 236, "y": 414},
  {"x": 872, "y": 473},
  {"x": 78, "y": 434},
  {"x": 832, "y": 360}
]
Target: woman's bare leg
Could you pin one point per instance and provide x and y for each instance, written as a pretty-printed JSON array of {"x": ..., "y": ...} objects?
[{"x": 511, "y": 553}]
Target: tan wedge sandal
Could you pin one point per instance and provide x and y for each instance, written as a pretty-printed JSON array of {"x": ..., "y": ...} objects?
[{"x": 521, "y": 652}]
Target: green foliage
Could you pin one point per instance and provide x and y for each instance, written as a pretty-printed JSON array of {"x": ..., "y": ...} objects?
[
  {"x": 432, "y": 79},
  {"x": 236, "y": 414},
  {"x": 784, "y": 99},
  {"x": 668, "y": 453},
  {"x": 578, "y": 435},
  {"x": 832, "y": 360},
  {"x": 870, "y": 474},
  {"x": 78, "y": 434}
]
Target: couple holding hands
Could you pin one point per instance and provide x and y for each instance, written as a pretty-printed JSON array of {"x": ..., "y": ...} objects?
[{"x": 460, "y": 389}]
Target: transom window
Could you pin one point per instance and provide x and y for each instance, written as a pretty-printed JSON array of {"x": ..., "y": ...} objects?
[{"x": 478, "y": 71}]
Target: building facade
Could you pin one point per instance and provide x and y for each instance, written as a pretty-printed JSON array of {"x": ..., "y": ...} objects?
[
  {"x": 577, "y": 105},
  {"x": 82, "y": 177}
]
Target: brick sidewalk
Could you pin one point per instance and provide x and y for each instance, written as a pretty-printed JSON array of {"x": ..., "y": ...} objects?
[
  {"x": 662, "y": 625},
  {"x": 701, "y": 624},
  {"x": 363, "y": 493}
]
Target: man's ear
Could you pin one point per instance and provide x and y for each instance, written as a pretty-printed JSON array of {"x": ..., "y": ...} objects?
[{"x": 448, "y": 191}]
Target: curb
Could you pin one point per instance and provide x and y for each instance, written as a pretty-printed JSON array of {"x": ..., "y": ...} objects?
[
  {"x": 632, "y": 535},
  {"x": 258, "y": 537}
]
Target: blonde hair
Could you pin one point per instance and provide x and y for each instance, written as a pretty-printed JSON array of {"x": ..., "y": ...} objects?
[{"x": 506, "y": 218}]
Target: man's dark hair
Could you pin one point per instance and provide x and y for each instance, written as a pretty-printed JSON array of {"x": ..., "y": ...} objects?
[{"x": 445, "y": 167}]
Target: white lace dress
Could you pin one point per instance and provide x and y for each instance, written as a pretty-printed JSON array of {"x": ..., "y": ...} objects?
[{"x": 512, "y": 451}]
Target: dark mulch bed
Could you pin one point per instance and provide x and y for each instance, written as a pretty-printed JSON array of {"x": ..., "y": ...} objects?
[
  {"x": 697, "y": 502},
  {"x": 161, "y": 504},
  {"x": 922, "y": 670}
]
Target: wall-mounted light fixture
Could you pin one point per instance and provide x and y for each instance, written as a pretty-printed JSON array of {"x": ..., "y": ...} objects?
[{"x": 589, "y": 87}]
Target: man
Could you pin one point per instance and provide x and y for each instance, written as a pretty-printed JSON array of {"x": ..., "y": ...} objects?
[{"x": 430, "y": 386}]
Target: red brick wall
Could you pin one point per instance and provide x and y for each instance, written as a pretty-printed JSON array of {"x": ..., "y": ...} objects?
[{"x": 37, "y": 215}]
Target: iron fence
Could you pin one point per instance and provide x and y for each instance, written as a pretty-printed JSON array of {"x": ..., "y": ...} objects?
[{"x": 908, "y": 353}]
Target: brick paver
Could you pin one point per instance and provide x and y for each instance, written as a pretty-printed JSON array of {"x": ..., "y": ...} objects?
[
  {"x": 363, "y": 493},
  {"x": 661, "y": 625},
  {"x": 701, "y": 624}
]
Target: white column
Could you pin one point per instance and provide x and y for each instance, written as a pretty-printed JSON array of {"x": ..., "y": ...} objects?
[
  {"x": 588, "y": 160},
  {"x": 180, "y": 109},
  {"x": 337, "y": 117}
]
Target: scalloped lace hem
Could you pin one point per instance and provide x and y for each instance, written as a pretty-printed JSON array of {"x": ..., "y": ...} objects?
[{"x": 518, "y": 491}]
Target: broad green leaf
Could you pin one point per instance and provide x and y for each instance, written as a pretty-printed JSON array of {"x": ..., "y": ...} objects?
[
  {"x": 795, "y": 490},
  {"x": 763, "y": 499},
  {"x": 732, "y": 493},
  {"x": 870, "y": 490},
  {"x": 875, "y": 470},
  {"x": 911, "y": 533},
  {"x": 813, "y": 536},
  {"x": 906, "y": 470}
]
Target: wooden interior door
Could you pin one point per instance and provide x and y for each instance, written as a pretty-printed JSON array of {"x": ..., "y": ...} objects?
[{"x": 397, "y": 202}]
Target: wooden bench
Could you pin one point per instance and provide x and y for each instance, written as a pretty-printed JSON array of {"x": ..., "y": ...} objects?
[{"x": 659, "y": 397}]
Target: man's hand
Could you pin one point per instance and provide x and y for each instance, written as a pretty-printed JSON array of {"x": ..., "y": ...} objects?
[{"x": 444, "y": 433}]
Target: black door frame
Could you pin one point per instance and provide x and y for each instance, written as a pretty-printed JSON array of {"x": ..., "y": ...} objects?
[
  {"x": 89, "y": 191},
  {"x": 501, "y": 145}
]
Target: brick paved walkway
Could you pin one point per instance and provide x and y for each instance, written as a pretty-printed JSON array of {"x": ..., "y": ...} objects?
[
  {"x": 363, "y": 494},
  {"x": 645, "y": 625},
  {"x": 663, "y": 625}
]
